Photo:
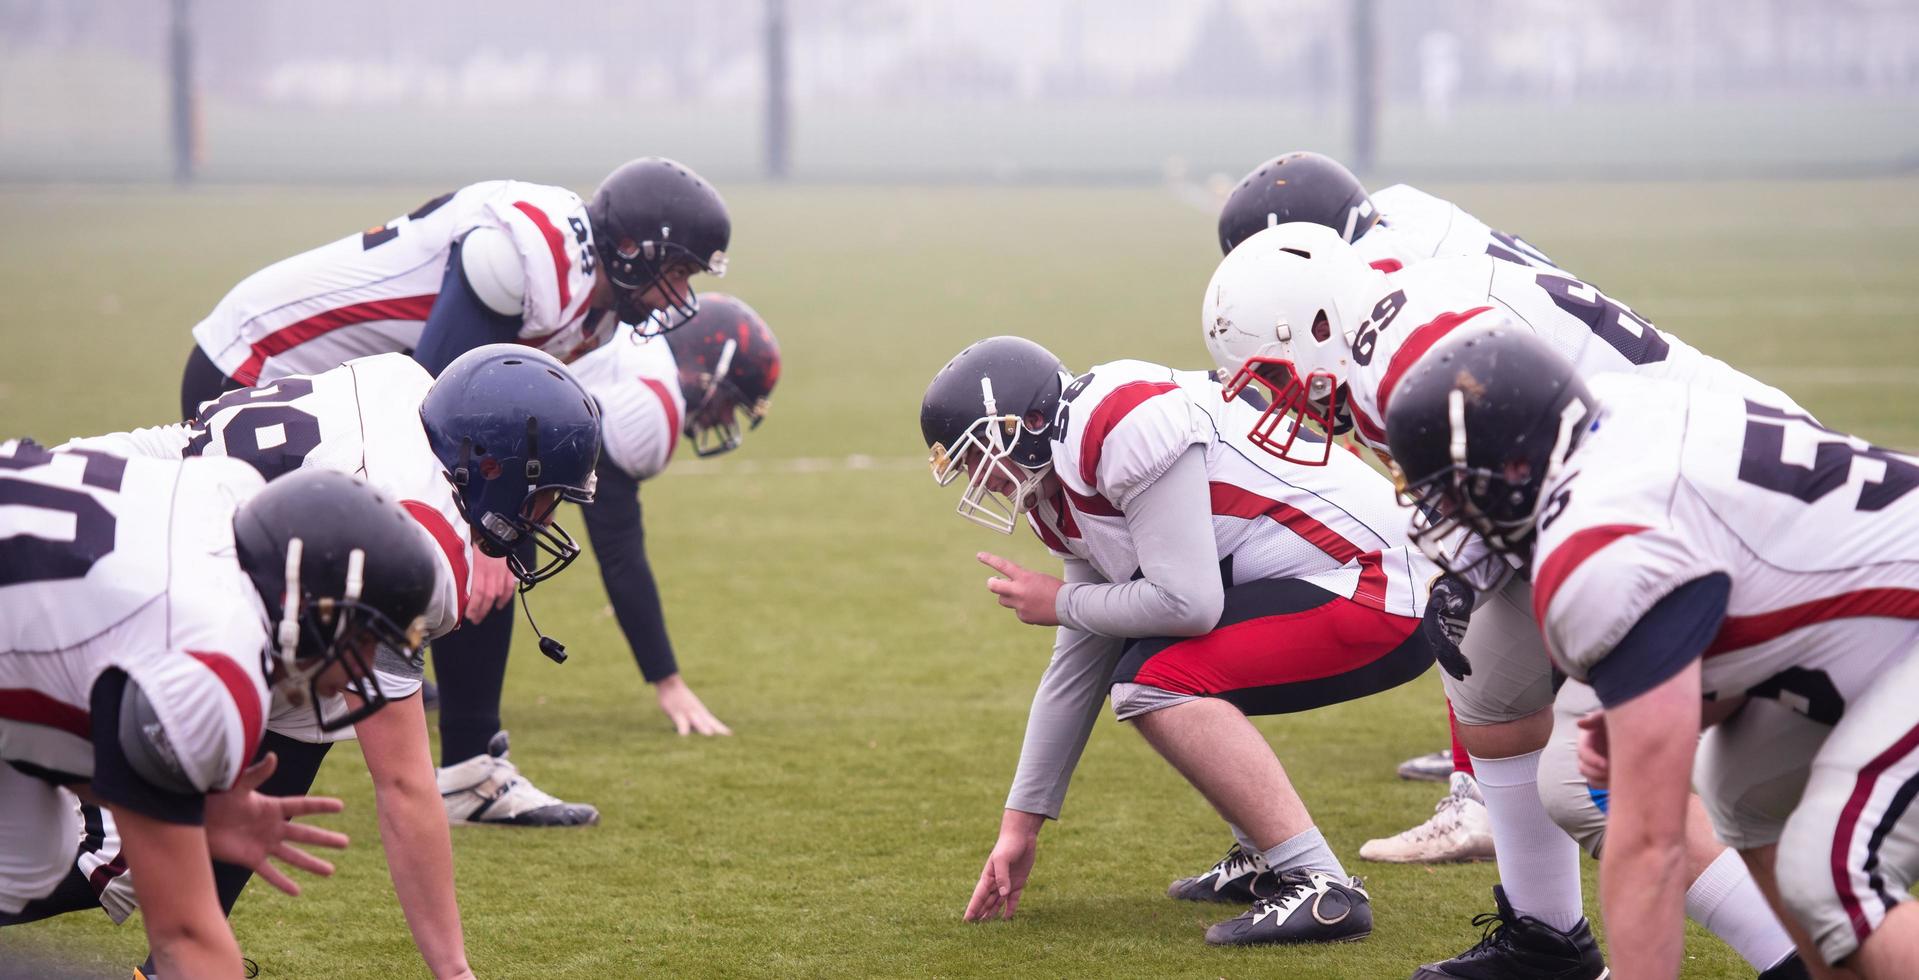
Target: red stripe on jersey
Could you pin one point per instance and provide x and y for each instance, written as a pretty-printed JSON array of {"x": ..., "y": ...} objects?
[
  {"x": 1095, "y": 505},
  {"x": 294, "y": 334},
  {"x": 1740, "y": 632},
  {"x": 245, "y": 699},
  {"x": 1369, "y": 430},
  {"x": 1111, "y": 410},
  {"x": 1417, "y": 344},
  {"x": 554, "y": 242},
  {"x": 1371, "y": 590},
  {"x": 1849, "y": 819},
  {"x": 34, "y": 708},
  {"x": 104, "y": 874},
  {"x": 1570, "y": 554},
  {"x": 1388, "y": 265},
  {"x": 449, "y": 542},
  {"x": 1232, "y": 501},
  {"x": 1046, "y": 535},
  {"x": 672, "y": 414}
]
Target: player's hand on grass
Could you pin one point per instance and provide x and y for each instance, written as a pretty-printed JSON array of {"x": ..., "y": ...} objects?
[
  {"x": 489, "y": 587},
  {"x": 1004, "y": 876},
  {"x": 1030, "y": 595},
  {"x": 246, "y": 828},
  {"x": 1594, "y": 763},
  {"x": 688, "y": 712}
]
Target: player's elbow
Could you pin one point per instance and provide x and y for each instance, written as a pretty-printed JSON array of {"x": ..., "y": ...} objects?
[{"x": 1194, "y": 614}]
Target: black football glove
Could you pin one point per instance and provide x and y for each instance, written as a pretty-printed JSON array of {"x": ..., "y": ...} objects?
[{"x": 1448, "y": 610}]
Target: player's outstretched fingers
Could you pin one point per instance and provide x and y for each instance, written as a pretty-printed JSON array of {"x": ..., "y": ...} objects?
[
  {"x": 252, "y": 776},
  {"x": 277, "y": 878},
  {"x": 986, "y": 895},
  {"x": 1004, "y": 566},
  {"x": 294, "y": 857},
  {"x": 300, "y": 806},
  {"x": 301, "y": 833}
]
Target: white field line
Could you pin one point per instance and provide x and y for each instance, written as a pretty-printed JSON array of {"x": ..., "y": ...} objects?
[{"x": 798, "y": 464}]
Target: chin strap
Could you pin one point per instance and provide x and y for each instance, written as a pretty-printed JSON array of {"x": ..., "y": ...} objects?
[{"x": 288, "y": 634}]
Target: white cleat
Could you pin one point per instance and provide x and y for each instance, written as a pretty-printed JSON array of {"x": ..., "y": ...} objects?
[
  {"x": 488, "y": 789},
  {"x": 1459, "y": 830}
]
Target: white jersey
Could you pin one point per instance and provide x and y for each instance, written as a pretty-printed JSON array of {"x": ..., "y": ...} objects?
[
  {"x": 115, "y": 563},
  {"x": 1598, "y": 334},
  {"x": 1337, "y": 526},
  {"x": 370, "y": 292},
  {"x": 1816, "y": 529},
  {"x": 1415, "y": 226},
  {"x": 637, "y": 384}
]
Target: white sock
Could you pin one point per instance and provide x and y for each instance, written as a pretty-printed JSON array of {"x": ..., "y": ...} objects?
[
  {"x": 1538, "y": 862},
  {"x": 1305, "y": 850},
  {"x": 1726, "y": 900}
]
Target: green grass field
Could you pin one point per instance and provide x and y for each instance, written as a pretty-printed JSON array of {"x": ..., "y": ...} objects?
[{"x": 835, "y": 617}]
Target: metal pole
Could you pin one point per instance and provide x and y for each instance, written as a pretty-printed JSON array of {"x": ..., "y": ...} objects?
[
  {"x": 779, "y": 117},
  {"x": 180, "y": 65},
  {"x": 1365, "y": 86}
]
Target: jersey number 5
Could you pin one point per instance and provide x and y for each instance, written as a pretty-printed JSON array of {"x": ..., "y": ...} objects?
[{"x": 1762, "y": 462}]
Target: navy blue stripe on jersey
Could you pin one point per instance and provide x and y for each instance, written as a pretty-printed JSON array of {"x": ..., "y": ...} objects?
[{"x": 1673, "y": 633}]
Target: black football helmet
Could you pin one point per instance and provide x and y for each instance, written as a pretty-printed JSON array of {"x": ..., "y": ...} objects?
[
  {"x": 990, "y": 411},
  {"x": 649, "y": 216},
  {"x": 345, "y": 576},
  {"x": 516, "y": 434},
  {"x": 729, "y": 363},
  {"x": 1297, "y": 186},
  {"x": 1474, "y": 427}
]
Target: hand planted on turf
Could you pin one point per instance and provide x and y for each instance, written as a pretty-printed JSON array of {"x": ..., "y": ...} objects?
[
  {"x": 489, "y": 587},
  {"x": 1449, "y": 609},
  {"x": 1594, "y": 754},
  {"x": 246, "y": 828},
  {"x": 1004, "y": 876},
  {"x": 1030, "y": 595},
  {"x": 688, "y": 712}
]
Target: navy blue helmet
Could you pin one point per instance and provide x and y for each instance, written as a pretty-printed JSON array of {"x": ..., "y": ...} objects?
[
  {"x": 345, "y": 576},
  {"x": 650, "y": 216},
  {"x": 1297, "y": 186},
  {"x": 516, "y": 434},
  {"x": 1474, "y": 427}
]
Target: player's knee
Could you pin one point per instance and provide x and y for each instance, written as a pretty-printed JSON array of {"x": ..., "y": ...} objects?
[{"x": 1574, "y": 807}]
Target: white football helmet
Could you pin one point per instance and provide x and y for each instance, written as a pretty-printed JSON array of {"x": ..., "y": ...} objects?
[{"x": 1282, "y": 309}]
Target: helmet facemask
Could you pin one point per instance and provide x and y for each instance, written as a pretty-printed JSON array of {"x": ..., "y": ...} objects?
[
  {"x": 642, "y": 267},
  {"x": 314, "y": 633},
  {"x": 998, "y": 488},
  {"x": 1497, "y": 506},
  {"x": 1294, "y": 401},
  {"x": 502, "y": 534},
  {"x": 714, "y": 424}
]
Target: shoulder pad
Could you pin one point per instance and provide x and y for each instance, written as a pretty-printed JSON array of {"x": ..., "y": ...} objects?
[
  {"x": 144, "y": 742},
  {"x": 494, "y": 270}
]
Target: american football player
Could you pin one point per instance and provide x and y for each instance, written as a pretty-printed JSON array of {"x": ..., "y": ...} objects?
[
  {"x": 479, "y": 459},
  {"x": 699, "y": 380},
  {"x": 1298, "y": 311},
  {"x": 495, "y": 261},
  {"x": 1692, "y": 548},
  {"x": 147, "y": 608},
  {"x": 1204, "y": 582}
]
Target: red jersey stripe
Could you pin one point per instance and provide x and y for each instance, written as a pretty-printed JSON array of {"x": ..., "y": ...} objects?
[
  {"x": 34, "y": 708},
  {"x": 554, "y": 243},
  {"x": 1095, "y": 505},
  {"x": 672, "y": 414},
  {"x": 1046, "y": 535},
  {"x": 1849, "y": 819},
  {"x": 449, "y": 542},
  {"x": 1369, "y": 430},
  {"x": 245, "y": 699},
  {"x": 1388, "y": 265},
  {"x": 294, "y": 334},
  {"x": 1232, "y": 501},
  {"x": 1107, "y": 415},
  {"x": 1740, "y": 632},
  {"x": 1418, "y": 343},
  {"x": 1570, "y": 554}
]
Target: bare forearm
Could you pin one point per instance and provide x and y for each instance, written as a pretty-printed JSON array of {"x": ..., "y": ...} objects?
[
  {"x": 419, "y": 855},
  {"x": 1642, "y": 887}
]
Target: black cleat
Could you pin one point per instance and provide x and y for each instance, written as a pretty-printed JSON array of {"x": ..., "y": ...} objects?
[
  {"x": 1520, "y": 947},
  {"x": 1240, "y": 878},
  {"x": 1311, "y": 907},
  {"x": 1790, "y": 968}
]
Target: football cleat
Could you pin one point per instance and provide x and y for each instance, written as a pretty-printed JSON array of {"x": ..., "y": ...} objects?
[
  {"x": 1516, "y": 946},
  {"x": 1241, "y": 878},
  {"x": 488, "y": 789},
  {"x": 1311, "y": 907},
  {"x": 147, "y": 971},
  {"x": 1459, "y": 830},
  {"x": 1433, "y": 767},
  {"x": 1790, "y": 968}
]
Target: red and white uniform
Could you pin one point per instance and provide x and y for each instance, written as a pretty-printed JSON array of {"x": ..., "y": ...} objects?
[
  {"x": 116, "y": 563},
  {"x": 637, "y": 384},
  {"x": 360, "y": 418},
  {"x": 370, "y": 292},
  {"x": 1422, "y": 304},
  {"x": 1818, "y": 532},
  {"x": 1415, "y": 226},
  {"x": 1336, "y": 526}
]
